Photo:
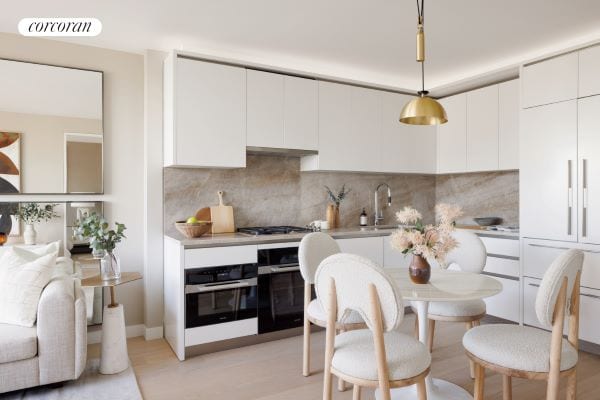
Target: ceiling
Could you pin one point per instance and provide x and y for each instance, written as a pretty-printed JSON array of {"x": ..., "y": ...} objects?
[{"x": 370, "y": 42}]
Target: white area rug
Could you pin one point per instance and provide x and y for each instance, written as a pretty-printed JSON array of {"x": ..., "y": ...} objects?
[{"x": 91, "y": 385}]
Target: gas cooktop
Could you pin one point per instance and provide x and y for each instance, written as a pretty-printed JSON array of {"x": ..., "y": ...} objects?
[{"x": 272, "y": 230}]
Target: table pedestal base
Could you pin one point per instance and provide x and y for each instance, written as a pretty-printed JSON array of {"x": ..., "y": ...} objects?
[
  {"x": 114, "y": 358},
  {"x": 437, "y": 389}
]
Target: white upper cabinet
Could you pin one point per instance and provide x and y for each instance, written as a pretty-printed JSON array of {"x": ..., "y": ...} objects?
[
  {"x": 548, "y": 172},
  {"x": 550, "y": 81},
  {"x": 300, "y": 114},
  {"x": 589, "y": 169},
  {"x": 452, "y": 136},
  {"x": 264, "y": 123},
  {"x": 589, "y": 67},
  {"x": 482, "y": 129},
  {"x": 282, "y": 111},
  {"x": 508, "y": 125},
  {"x": 205, "y": 114},
  {"x": 349, "y": 129},
  {"x": 400, "y": 141}
]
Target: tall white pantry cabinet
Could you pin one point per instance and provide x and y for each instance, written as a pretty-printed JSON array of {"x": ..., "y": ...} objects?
[{"x": 559, "y": 170}]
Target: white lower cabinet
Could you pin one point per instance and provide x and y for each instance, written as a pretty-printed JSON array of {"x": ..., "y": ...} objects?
[
  {"x": 530, "y": 290},
  {"x": 368, "y": 247},
  {"x": 506, "y": 303}
]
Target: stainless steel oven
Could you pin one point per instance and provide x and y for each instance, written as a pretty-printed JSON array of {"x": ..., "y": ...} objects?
[
  {"x": 218, "y": 295},
  {"x": 280, "y": 288}
]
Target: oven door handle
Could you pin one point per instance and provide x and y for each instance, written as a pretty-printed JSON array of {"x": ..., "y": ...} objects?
[
  {"x": 275, "y": 270},
  {"x": 213, "y": 287}
]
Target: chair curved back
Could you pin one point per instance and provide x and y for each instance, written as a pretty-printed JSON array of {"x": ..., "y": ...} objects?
[
  {"x": 470, "y": 255},
  {"x": 352, "y": 275},
  {"x": 568, "y": 264},
  {"x": 314, "y": 248}
]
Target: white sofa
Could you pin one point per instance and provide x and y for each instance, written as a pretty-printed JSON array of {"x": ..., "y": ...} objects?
[{"x": 55, "y": 348}]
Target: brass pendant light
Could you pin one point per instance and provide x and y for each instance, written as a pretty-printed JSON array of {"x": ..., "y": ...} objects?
[{"x": 423, "y": 110}]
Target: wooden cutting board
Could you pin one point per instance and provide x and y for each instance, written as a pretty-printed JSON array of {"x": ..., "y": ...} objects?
[{"x": 222, "y": 217}]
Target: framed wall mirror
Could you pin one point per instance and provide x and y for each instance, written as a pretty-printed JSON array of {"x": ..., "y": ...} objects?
[{"x": 51, "y": 129}]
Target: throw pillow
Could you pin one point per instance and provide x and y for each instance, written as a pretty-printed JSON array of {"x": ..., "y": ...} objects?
[{"x": 23, "y": 276}]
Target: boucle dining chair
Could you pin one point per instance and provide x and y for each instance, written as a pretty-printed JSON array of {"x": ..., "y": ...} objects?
[
  {"x": 532, "y": 353},
  {"x": 314, "y": 248},
  {"x": 377, "y": 357},
  {"x": 469, "y": 256}
]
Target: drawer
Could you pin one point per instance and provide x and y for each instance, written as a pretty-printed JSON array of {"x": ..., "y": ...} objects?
[
  {"x": 502, "y": 266},
  {"x": 218, "y": 256},
  {"x": 530, "y": 290},
  {"x": 538, "y": 255},
  {"x": 503, "y": 247},
  {"x": 506, "y": 303}
]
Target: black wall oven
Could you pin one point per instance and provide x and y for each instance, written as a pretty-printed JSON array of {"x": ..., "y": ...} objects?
[
  {"x": 221, "y": 294},
  {"x": 280, "y": 288}
]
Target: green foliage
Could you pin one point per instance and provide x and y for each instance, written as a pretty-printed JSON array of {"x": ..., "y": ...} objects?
[
  {"x": 338, "y": 198},
  {"x": 32, "y": 213},
  {"x": 95, "y": 228}
]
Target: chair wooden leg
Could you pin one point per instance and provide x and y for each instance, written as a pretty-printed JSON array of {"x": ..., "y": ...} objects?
[
  {"x": 479, "y": 382},
  {"x": 341, "y": 383},
  {"x": 421, "y": 390},
  {"x": 506, "y": 387},
  {"x": 572, "y": 386},
  {"x": 356, "y": 393},
  {"x": 471, "y": 363},
  {"x": 430, "y": 335},
  {"x": 416, "y": 330},
  {"x": 306, "y": 348}
]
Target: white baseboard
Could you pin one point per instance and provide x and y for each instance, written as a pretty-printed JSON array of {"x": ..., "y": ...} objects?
[
  {"x": 154, "y": 333},
  {"x": 95, "y": 333}
]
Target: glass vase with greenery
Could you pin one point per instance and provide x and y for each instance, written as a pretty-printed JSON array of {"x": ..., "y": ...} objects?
[
  {"x": 103, "y": 242},
  {"x": 31, "y": 214}
]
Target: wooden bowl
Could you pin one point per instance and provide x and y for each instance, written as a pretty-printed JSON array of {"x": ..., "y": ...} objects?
[{"x": 194, "y": 230}]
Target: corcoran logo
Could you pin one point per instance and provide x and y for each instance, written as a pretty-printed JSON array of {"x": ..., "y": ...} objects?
[{"x": 60, "y": 27}]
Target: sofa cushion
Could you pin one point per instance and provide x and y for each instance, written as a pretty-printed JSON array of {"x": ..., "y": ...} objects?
[
  {"x": 23, "y": 276},
  {"x": 17, "y": 343}
]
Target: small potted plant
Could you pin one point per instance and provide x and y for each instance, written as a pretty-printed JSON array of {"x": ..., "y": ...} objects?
[
  {"x": 31, "y": 214},
  {"x": 333, "y": 209},
  {"x": 425, "y": 241},
  {"x": 103, "y": 242}
]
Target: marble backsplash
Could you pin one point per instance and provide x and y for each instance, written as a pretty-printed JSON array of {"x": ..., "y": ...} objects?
[
  {"x": 482, "y": 194},
  {"x": 271, "y": 190}
]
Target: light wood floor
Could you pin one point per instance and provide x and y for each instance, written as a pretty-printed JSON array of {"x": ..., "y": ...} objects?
[{"x": 272, "y": 371}]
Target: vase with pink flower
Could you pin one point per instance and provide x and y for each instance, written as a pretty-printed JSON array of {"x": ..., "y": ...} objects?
[{"x": 425, "y": 241}]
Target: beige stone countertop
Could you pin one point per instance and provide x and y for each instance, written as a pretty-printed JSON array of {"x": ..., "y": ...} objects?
[{"x": 237, "y": 239}]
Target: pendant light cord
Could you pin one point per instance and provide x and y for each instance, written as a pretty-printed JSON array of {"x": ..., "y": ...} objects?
[{"x": 421, "y": 14}]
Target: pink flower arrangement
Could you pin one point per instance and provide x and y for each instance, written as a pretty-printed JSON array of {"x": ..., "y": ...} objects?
[{"x": 429, "y": 241}]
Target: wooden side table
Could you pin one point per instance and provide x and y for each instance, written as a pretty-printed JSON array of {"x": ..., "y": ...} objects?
[{"x": 113, "y": 356}]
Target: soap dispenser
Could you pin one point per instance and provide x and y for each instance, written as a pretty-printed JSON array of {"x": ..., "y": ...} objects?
[{"x": 363, "y": 218}]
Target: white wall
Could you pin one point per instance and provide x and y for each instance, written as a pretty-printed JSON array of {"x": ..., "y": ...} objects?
[{"x": 123, "y": 144}]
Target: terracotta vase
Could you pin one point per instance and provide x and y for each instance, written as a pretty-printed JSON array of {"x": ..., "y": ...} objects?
[
  {"x": 333, "y": 216},
  {"x": 419, "y": 270}
]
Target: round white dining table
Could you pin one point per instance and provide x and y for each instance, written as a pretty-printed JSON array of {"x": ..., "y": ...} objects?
[{"x": 444, "y": 285}]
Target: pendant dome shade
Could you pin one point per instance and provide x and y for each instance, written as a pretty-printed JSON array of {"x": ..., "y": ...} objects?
[{"x": 423, "y": 110}]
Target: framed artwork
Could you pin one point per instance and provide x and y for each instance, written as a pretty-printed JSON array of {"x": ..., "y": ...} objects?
[{"x": 10, "y": 162}]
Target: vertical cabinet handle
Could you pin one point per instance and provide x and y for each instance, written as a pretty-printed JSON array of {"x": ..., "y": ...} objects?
[
  {"x": 584, "y": 215},
  {"x": 570, "y": 197}
]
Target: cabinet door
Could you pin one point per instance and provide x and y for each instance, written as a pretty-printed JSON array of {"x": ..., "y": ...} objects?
[
  {"x": 530, "y": 291},
  {"x": 368, "y": 247},
  {"x": 550, "y": 81},
  {"x": 506, "y": 303},
  {"x": 349, "y": 128},
  {"x": 264, "y": 123},
  {"x": 548, "y": 172},
  {"x": 508, "y": 125},
  {"x": 405, "y": 148},
  {"x": 589, "y": 65},
  {"x": 482, "y": 129},
  {"x": 210, "y": 114},
  {"x": 589, "y": 308},
  {"x": 589, "y": 164},
  {"x": 392, "y": 258},
  {"x": 452, "y": 136},
  {"x": 300, "y": 111}
]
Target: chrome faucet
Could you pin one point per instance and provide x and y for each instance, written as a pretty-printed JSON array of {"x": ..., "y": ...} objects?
[{"x": 379, "y": 213}]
